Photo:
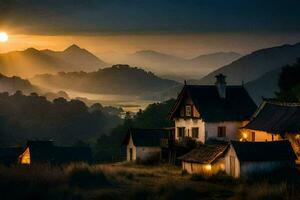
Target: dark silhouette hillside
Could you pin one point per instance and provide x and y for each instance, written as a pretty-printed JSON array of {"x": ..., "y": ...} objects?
[
  {"x": 256, "y": 64},
  {"x": 34, "y": 117},
  {"x": 118, "y": 79}
]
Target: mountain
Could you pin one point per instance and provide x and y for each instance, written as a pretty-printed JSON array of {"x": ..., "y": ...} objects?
[
  {"x": 170, "y": 66},
  {"x": 78, "y": 58},
  {"x": 254, "y": 65},
  {"x": 13, "y": 84},
  {"x": 216, "y": 59},
  {"x": 118, "y": 79},
  {"x": 31, "y": 61},
  {"x": 264, "y": 86}
]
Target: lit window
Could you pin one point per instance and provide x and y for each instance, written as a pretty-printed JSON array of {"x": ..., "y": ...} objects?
[
  {"x": 188, "y": 110},
  {"x": 221, "y": 131},
  {"x": 195, "y": 132}
]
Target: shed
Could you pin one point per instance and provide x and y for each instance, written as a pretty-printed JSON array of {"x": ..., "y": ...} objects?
[
  {"x": 207, "y": 159},
  {"x": 9, "y": 155},
  {"x": 246, "y": 158},
  {"x": 276, "y": 121},
  {"x": 46, "y": 152},
  {"x": 144, "y": 144}
]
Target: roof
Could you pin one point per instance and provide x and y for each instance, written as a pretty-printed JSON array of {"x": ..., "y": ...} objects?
[
  {"x": 277, "y": 118},
  {"x": 264, "y": 151},
  {"x": 236, "y": 106},
  {"x": 9, "y": 155},
  {"x": 46, "y": 151},
  {"x": 205, "y": 154},
  {"x": 145, "y": 137}
]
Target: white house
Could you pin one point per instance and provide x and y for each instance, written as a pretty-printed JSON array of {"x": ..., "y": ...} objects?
[
  {"x": 212, "y": 112},
  {"x": 247, "y": 158},
  {"x": 143, "y": 145}
]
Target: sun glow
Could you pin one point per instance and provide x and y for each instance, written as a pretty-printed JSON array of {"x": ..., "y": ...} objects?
[{"x": 3, "y": 37}]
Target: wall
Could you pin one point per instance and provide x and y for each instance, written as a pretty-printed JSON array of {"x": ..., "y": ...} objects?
[
  {"x": 131, "y": 145},
  {"x": 146, "y": 153},
  {"x": 189, "y": 124},
  {"x": 208, "y": 169},
  {"x": 293, "y": 138},
  {"x": 248, "y": 168},
  {"x": 232, "y": 130},
  {"x": 260, "y": 136},
  {"x": 228, "y": 154}
]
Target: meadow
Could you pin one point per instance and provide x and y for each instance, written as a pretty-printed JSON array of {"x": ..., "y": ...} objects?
[{"x": 129, "y": 181}]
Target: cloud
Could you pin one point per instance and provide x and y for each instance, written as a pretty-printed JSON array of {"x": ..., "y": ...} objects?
[{"x": 114, "y": 16}]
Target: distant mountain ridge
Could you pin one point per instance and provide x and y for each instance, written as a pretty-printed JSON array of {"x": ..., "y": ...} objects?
[
  {"x": 169, "y": 65},
  {"x": 118, "y": 79},
  {"x": 256, "y": 64},
  {"x": 31, "y": 61}
]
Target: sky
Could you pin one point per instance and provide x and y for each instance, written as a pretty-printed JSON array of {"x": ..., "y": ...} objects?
[{"x": 185, "y": 28}]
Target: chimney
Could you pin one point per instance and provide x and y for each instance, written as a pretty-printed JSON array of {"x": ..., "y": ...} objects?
[{"x": 221, "y": 85}]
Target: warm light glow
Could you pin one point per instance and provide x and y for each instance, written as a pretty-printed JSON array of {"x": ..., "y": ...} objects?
[
  {"x": 245, "y": 136},
  {"x": 3, "y": 37},
  {"x": 25, "y": 157},
  {"x": 208, "y": 167}
]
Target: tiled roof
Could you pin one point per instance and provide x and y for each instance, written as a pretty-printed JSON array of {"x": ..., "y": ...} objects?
[
  {"x": 264, "y": 151},
  {"x": 236, "y": 106},
  {"x": 205, "y": 154},
  {"x": 145, "y": 137},
  {"x": 276, "y": 118}
]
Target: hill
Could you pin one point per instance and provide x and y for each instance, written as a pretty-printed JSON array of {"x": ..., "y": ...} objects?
[
  {"x": 256, "y": 64},
  {"x": 118, "y": 79},
  {"x": 31, "y": 61},
  {"x": 181, "y": 68},
  {"x": 13, "y": 84},
  {"x": 264, "y": 86}
]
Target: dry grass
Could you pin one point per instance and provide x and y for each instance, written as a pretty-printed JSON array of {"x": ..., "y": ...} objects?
[{"x": 129, "y": 181}]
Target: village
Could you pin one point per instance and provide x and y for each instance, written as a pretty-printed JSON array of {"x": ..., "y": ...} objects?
[{"x": 217, "y": 128}]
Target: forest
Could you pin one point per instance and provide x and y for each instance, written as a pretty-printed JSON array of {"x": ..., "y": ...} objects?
[{"x": 25, "y": 117}]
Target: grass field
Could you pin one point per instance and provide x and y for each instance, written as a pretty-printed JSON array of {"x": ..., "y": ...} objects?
[{"x": 129, "y": 181}]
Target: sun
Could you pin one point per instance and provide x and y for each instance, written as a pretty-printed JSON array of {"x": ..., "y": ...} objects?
[{"x": 3, "y": 37}]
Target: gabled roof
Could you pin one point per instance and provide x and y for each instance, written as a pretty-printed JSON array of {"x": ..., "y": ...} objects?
[
  {"x": 46, "y": 151},
  {"x": 205, "y": 154},
  {"x": 236, "y": 106},
  {"x": 9, "y": 155},
  {"x": 264, "y": 151},
  {"x": 277, "y": 118},
  {"x": 145, "y": 137}
]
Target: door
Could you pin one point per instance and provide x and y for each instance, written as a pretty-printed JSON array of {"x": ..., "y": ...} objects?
[
  {"x": 232, "y": 166},
  {"x": 130, "y": 154}
]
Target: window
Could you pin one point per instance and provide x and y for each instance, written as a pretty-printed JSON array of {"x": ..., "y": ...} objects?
[
  {"x": 180, "y": 131},
  {"x": 188, "y": 110},
  {"x": 195, "y": 132},
  {"x": 221, "y": 131},
  {"x": 253, "y": 136}
]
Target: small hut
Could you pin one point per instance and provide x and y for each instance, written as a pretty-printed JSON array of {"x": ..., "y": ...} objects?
[
  {"x": 9, "y": 155},
  {"x": 46, "y": 152},
  {"x": 205, "y": 159},
  {"x": 275, "y": 121},
  {"x": 144, "y": 144},
  {"x": 247, "y": 158}
]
